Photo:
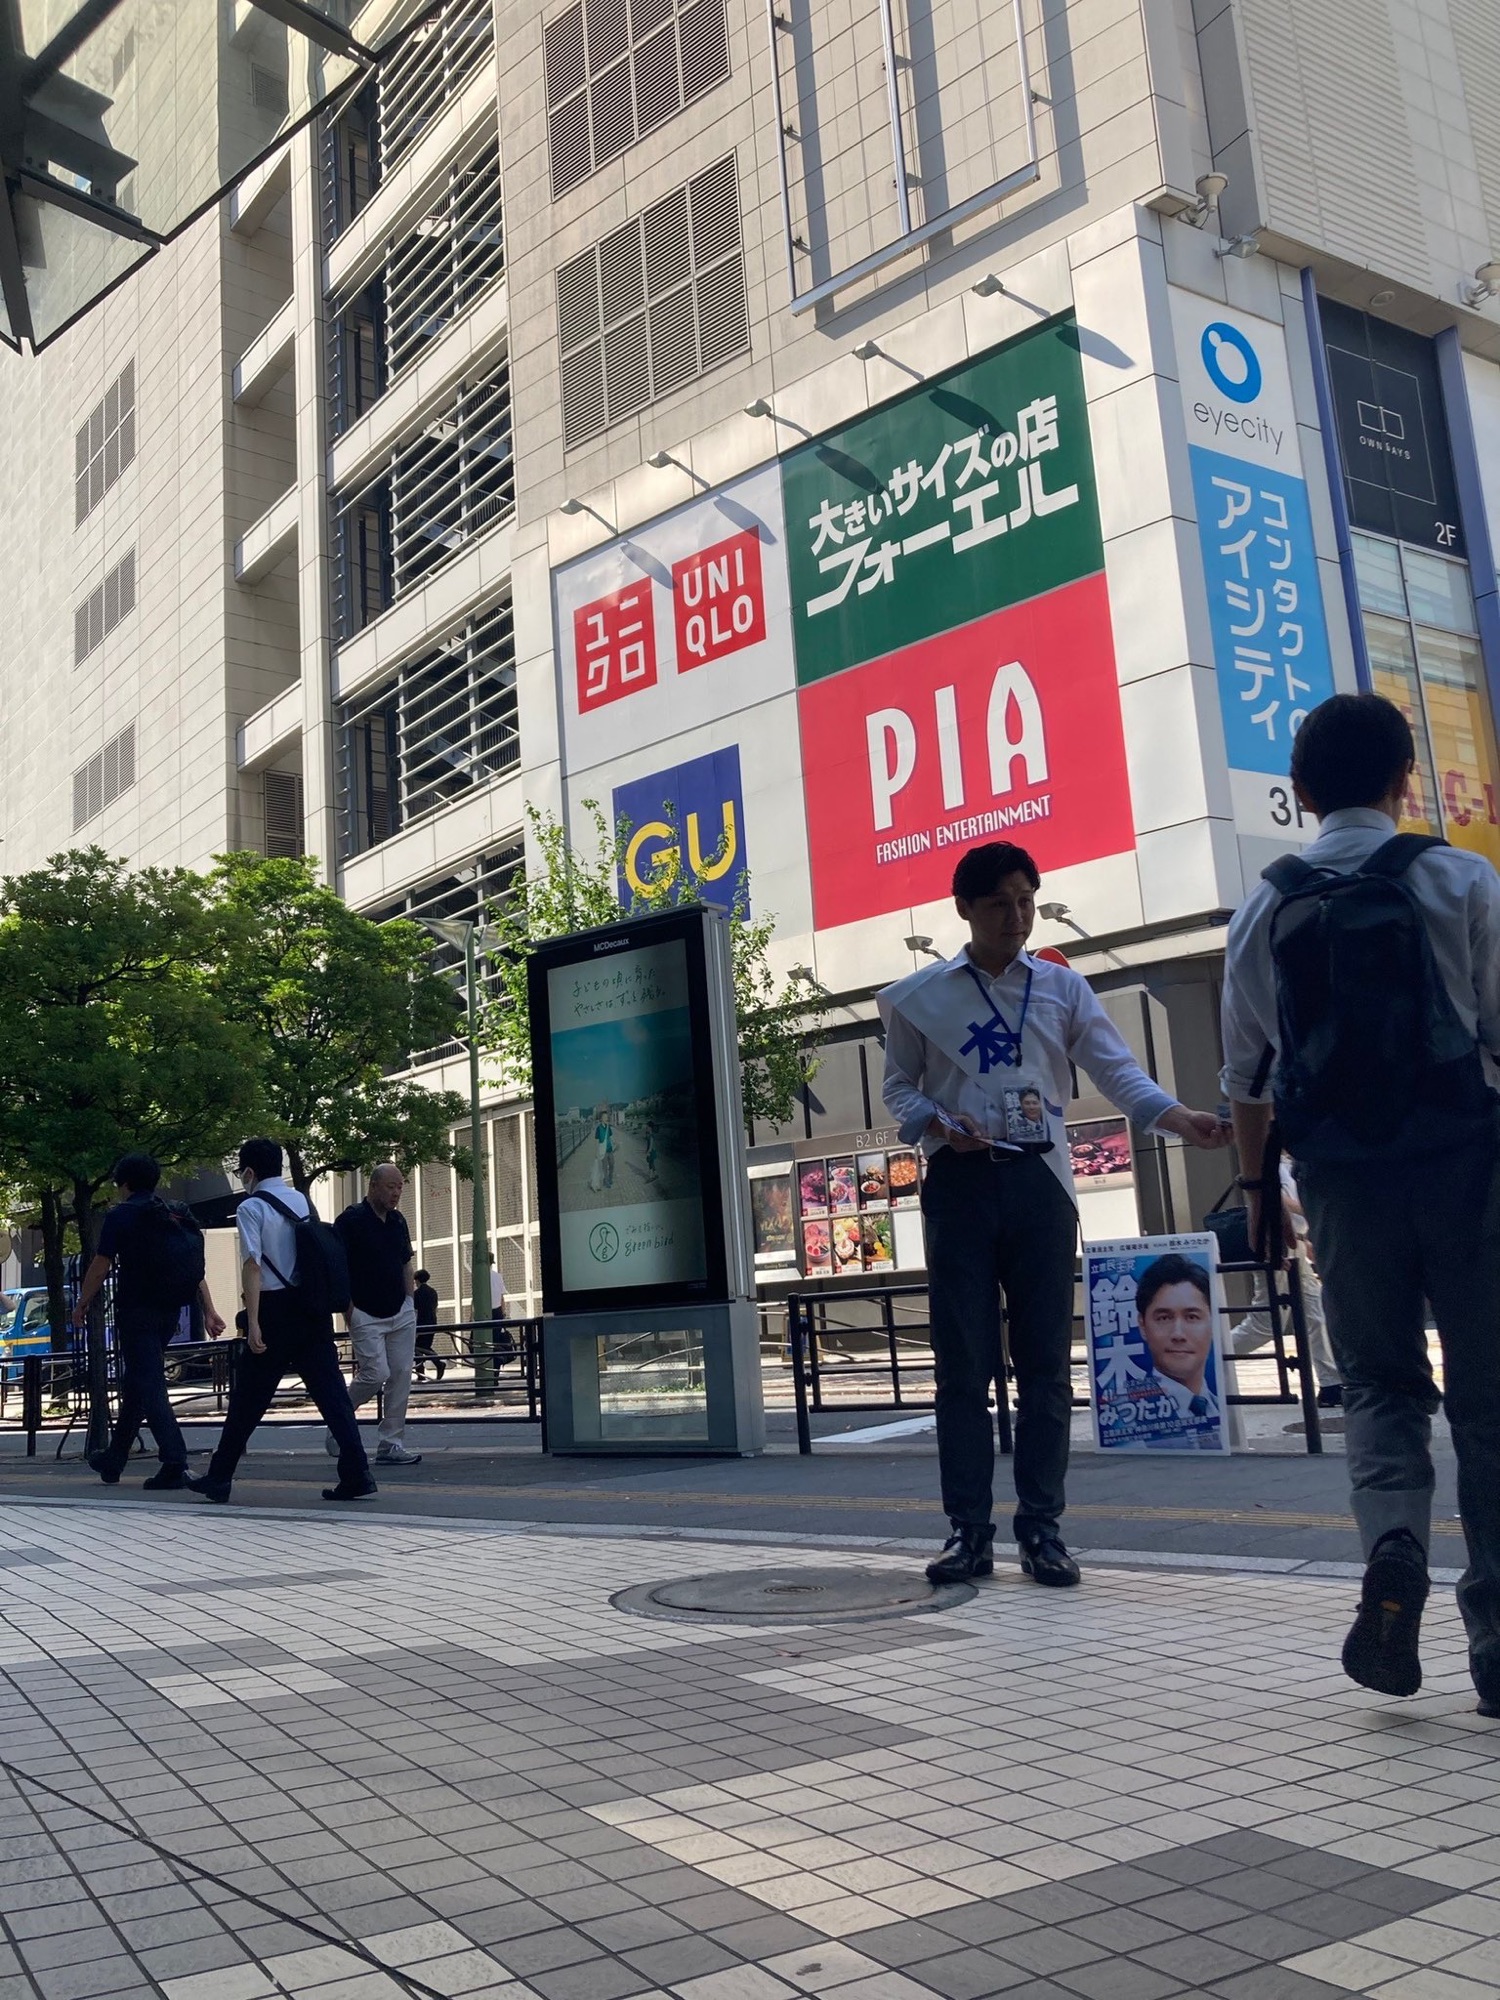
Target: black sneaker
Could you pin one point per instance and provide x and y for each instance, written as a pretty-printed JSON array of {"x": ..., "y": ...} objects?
[
  {"x": 107, "y": 1467},
  {"x": 354, "y": 1489},
  {"x": 216, "y": 1490},
  {"x": 1381, "y": 1649},
  {"x": 1488, "y": 1707},
  {"x": 967, "y": 1553},
  {"x": 1331, "y": 1396},
  {"x": 1047, "y": 1561},
  {"x": 171, "y": 1479}
]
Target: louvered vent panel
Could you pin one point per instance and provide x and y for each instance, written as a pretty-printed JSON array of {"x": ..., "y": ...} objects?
[
  {"x": 283, "y": 814},
  {"x": 583, "y": 395},
  {"x": 674, "y": 346},
  {"x": 669, "y": 246},
  {"x": 578, "y": 301},
  {"x": 646, "y": 16},
  {"x": 716, "y": 213},
  {"x": 608, "y": 32},
  {"x": 614, "y": 113},
  {"x": 627, "y": 368},
  {"x": 705, "y": 48},
  {"x": 657, "y": 93},
  {"x": 126, "y": 773},
  {"x": 568, "y": 144},
  {"x": 723, "y": 318},
  {"x": 621, "y": 281},
  {"x": 564, "y": 55}
]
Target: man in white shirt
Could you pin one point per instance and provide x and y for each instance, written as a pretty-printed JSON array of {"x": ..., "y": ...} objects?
[
  {"x": 972, "y": 1045},
  {"x": 283, "y": 1335},
  {"x": 1398, "y": 1170}
]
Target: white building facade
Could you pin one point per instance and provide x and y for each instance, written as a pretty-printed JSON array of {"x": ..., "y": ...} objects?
[{"x": 826, "y": 437}]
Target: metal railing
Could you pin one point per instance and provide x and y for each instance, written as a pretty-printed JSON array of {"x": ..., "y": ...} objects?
[
  {"x": 884, "y": 1341},
  {"x": 496, "y": 1368},
  {"x": 419, "y": 77}
]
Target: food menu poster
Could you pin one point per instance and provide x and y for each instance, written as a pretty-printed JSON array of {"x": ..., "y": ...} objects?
[{"x": 849, "y": 1208}]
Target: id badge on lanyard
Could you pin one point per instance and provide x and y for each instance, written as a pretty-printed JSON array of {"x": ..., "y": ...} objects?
[{"x": 1020, "y": 1102}]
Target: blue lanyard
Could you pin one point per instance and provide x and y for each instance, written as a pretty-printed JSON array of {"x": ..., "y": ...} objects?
[{"x": 1003, "y": 1049}]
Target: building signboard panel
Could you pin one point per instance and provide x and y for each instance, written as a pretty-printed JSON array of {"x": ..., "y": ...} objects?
[
  {"x": 1260, "y": 564},
  {"x": 687, "y": 821},
  {"x": 955, "y": 660}
]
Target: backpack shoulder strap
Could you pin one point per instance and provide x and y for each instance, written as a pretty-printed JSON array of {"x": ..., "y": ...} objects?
[
  {"x": 1394, "y": 856},
  {"x": 280, "y": 1207},
  {"x": 1290, "y": 874}
]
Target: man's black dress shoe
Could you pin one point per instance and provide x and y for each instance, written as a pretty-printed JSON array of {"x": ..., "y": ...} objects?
[
  {"x": 1047, "y": 1561},
  {"x": 967, "y": 1553},
  {"x": 216, "y": 1490},
  {"x": 1381, "y": 1649}
]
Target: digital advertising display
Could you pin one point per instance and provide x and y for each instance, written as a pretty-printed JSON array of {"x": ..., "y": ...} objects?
[{"x": 627, "y": 1121}]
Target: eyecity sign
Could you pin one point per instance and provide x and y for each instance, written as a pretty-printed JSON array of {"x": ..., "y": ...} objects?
[{"x": 914, "y": 605}]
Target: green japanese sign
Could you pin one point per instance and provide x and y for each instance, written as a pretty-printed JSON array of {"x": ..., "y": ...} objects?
[{"x": 973, "y": 492}]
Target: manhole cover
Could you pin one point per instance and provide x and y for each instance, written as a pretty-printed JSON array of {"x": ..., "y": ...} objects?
[{"x": 791, "y": 1597}]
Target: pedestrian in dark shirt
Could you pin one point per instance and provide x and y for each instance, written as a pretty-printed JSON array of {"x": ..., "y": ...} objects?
[
  {"x": 156, "y": 1253},
  {"x": 425, "y": 1301},
  {"x": 382, "y": 1318}
]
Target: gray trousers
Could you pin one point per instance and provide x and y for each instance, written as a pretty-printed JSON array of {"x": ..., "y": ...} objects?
[{"x": 1392, "y": 1238}]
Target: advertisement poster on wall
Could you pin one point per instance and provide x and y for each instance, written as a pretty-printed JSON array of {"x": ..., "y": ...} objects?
[
  {"x": 622, "y": 1087},
  {"x": 1154, "y": 1310},
  {"x": 1260, "y": 563},
  {"x": 954, "y": 656},
  {"x": 683, "y": 825}
]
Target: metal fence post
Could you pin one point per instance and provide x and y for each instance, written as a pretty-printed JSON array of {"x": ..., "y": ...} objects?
[
  {"x": 1311, "y": 1422},
  {"x": 31, "y": 1400},
  {"x": 795, "y": 1333}
]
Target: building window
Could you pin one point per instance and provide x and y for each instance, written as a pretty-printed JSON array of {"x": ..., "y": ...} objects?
[
  {"x": 613, "y": 75},
  {"x": 654, "y": 305},
  {"x": 105, "y": 445},
  {"x": 102, "y": 610},
  {"x": 351, "y": 162},
  {"x": 1423, "y": 643},
  {"x": 446, "y": 725},
  {"x": 442, "y": 488},
  {"x": 282, "y": 796},
  {"x": 356, "y": 357},
  {"x": 100, "y": 781},
  {"x": 434, "y": 60}
]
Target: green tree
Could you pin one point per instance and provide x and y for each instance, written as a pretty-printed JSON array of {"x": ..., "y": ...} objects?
[
  {"x": 110, "y": 1042},
  {"x": 335, "y": 1004},
  {"x": 563, "y": 891}
]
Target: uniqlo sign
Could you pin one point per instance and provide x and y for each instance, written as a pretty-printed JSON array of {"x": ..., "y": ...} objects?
[
  {"x": 719, "y": 601},
  {"x": 682, "y": 622},
  {"x": 1006, "y": 729},
  {"x": 614, "y": 645}
]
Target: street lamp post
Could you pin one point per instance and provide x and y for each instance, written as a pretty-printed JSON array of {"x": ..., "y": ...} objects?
[{"x": 465, "y": 936}]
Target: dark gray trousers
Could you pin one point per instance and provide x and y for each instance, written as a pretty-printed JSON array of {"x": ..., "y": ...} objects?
[
  {"x": 1387, "y": 1239},
  {"x": 994, "y": 1225}
]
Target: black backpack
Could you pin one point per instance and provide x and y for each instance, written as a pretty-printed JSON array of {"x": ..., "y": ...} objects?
[
  {"x": 320, "y": 1272},
  {"x": 1374, "y": 1062},
  {"x": 166, "y": 1256}
]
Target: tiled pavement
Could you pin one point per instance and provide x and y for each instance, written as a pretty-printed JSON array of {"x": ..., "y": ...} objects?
[{"x": 243, "y": 1757}]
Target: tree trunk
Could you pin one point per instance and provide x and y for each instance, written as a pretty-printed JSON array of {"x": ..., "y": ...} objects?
[
  {"x": 61, "y": 1341},
  {"x": 97, "y": 1357},
  {"x": 301, "y": 1179}
]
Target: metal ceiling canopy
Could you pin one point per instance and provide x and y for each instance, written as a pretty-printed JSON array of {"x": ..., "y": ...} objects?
[{"x": 123, "y": 121}]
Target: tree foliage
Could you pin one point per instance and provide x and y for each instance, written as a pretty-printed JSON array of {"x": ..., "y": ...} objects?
[
  {"x": 333, "y": 1003},
  {"x": 563, "y": 891}
]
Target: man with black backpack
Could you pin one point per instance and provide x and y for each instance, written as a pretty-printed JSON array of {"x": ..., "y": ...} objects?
[
  {"x": 295, "y": 1279},
  {"x": 1363, "y": 985},
  {"x": 155, "y": 1249}
]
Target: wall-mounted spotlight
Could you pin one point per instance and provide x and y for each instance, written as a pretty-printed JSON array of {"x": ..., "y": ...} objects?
[
  {"x": 923, "y": 944},
  {"x": 571, "y": 506},
  {"x": 987, "y": 287},
  {"x": 1210, "y": 190},
  {"x": 867, "y": 350},
  {"x": 1059, "y": 913},
  {"x": 660, "y": 460},
  {"x": 1485, "y": 284},
  {"x": 759, "y": 408},
  {"x": 1242, "y": 246}
]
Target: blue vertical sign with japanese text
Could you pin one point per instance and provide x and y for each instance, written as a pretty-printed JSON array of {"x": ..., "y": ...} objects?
[{"x": 1260, "y": 561}]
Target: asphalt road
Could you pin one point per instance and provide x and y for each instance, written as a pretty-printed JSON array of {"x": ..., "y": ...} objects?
[{"x": 1282, "y": 1504}]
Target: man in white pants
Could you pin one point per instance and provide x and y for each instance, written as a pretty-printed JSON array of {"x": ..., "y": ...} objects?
[{"x": 382, "y": 1316}]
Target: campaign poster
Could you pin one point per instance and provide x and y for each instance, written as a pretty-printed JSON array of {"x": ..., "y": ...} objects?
[
  {"x": 629, "y": 1195},
  {"x": 1154, "y": 1313},
  {"x": 954, "y": 654}
]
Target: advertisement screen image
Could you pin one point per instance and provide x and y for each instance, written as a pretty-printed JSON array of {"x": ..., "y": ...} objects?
[{"x": 628, "y": 1168}]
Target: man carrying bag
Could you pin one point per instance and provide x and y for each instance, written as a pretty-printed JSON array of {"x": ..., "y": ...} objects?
[{"x": 1363, "y": 985}]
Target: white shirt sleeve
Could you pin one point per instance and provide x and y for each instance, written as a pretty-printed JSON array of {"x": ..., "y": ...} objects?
[
  {"x": 1097, "y": 1046},
  {"x": 248, "y": 1219},
  {"x": 905, "y": 1061}
]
